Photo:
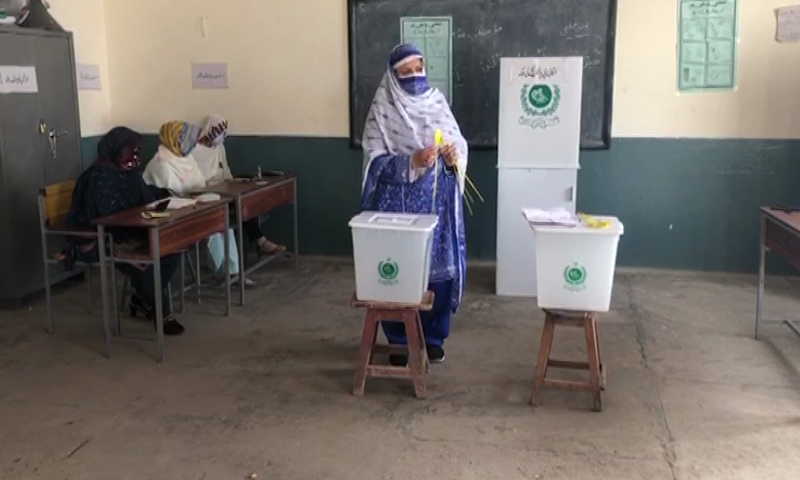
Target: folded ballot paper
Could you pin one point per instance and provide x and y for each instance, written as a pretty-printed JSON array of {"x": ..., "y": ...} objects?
[{"x": 553, "y": 216}]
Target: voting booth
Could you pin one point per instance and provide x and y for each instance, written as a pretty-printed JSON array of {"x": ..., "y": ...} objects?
[{"x": 538, "y": 152}]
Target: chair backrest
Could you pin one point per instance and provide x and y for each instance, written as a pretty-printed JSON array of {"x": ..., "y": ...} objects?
[{"x": 54, "y": 203}]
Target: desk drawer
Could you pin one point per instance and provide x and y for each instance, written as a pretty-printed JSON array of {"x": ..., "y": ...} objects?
[
  {"x": 783, "y": 242},
  {"x": 181, "y": 235},
  {"x": 267, "y": 200}
]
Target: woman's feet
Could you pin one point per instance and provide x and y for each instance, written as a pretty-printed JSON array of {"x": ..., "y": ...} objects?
[
  {"x": 172, "y": 326},
  {"x": 139, "y": 306},
  {"x": 435, "y": 355},
  {"x": 235, "y": 281},
  {"x": 265, "y": 247}
]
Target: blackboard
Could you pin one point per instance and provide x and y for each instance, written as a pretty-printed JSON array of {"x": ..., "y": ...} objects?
[{"x": 483, "y": 32}]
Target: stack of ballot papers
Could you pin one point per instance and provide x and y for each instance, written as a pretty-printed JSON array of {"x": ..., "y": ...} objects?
[{"x": 554, "y": 216}]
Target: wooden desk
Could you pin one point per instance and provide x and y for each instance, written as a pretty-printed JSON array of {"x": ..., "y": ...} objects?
[
  {"x": 170, "y": 235},
  {"x": 780, "y": 233},
  {"x": 253, "y": 199}
]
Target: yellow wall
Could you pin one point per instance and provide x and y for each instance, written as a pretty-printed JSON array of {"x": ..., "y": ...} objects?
[
  {"x": 87, "y": 21},
  {"x": 289, "y": 76},
  {"x": 766, "y": 103},
  {"x": 287, "y": 63}
]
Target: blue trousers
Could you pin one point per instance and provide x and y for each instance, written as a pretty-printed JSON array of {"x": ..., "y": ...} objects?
[{"x": 435, "y": 323}]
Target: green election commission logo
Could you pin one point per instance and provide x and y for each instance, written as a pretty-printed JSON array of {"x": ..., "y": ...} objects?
[
  {"x": 540, "y": 103},
  {"x": 388, "y": 271},
  {"x": 575, "y": 277}
]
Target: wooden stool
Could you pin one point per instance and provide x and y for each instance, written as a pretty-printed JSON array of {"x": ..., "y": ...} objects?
[
  {"x": 597, "y": 382},
  {"x": 408, "y": 314}
]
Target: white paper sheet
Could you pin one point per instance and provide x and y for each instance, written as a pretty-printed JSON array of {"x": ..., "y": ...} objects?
[
  {"x": 89, "y": 77},
  {"x": 14, "y": 79},
  {"x": 554, "y": 216},
  {"x": 788, "y": 24},
  {"x": 209, "y": 75}
]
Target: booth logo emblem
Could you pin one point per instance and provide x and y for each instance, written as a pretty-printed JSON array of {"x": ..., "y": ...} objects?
[
  {"x": 575, "y": 276},
  {"x": 540, "y": 103},
  {"x": 388, "y": 271}
]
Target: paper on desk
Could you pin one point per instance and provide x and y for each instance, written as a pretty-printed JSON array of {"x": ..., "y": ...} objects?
[
  {"x": 788, "y": 24},
  {"x": 175, "y": 203},
  {"x": 554, "y": 216}
]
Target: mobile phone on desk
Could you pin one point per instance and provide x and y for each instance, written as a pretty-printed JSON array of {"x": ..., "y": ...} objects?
[{"x": 274, "y": 173}]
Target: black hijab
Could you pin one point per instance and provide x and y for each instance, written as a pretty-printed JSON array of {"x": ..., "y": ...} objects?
[{"x": 114, "y": 181}]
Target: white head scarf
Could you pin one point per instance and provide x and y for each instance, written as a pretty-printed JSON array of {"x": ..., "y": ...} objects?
[
  {"x": 213, "y": 160},
  {"x": 400, "y": 124}
]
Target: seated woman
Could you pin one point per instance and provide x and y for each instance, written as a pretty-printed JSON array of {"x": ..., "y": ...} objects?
[
  {"x": 174, "y": 168},
  {"x": 113, "y": 183},
  {"x": 213, "y": 162},
  {"x": 404, "y": 171}
]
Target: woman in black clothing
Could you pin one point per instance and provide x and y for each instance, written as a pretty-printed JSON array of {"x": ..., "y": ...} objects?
[{"x": 113, "y": 183}]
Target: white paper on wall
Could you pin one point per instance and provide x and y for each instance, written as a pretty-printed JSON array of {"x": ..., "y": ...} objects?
[
  {"x": 89, "y": 77},
  {"x": 209, "y": 75}
]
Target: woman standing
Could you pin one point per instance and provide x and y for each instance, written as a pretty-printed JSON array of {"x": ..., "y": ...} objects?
[
  {"x": 213, "y": 162},
  {"x": 113, "y": 184},
  {"x": 175, "y": 169},
  {"x": 404, "y": 171}
]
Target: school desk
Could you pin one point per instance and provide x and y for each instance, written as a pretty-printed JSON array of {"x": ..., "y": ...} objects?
[
  {"x": 780, "y": 233},
  {"x": 170, "y": 235},
  {"x": 254, "y": 198}
]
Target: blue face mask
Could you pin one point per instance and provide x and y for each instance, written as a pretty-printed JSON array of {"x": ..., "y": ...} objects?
[{"x": 416, "y": 84}]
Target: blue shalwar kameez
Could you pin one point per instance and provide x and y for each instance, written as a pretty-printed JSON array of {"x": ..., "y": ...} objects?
[{"x": 402, "y": 121}]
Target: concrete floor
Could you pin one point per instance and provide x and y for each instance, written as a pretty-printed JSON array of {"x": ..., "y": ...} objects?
[{"x": 690, "y": 394}]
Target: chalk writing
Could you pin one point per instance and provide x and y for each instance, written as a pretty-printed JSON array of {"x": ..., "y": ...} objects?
[
  {"x": 482, "y": 32},
  {"x": 575, "y": 30}
]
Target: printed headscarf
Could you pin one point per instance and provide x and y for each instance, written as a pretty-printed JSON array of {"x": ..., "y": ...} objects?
[
  {"x": 112, "y": 148},
  {"x": 415, "y": 83},
  {"x": 179, "y": 137},
  {"x": 400, "y": 123},
  {"x": 213, "y": 130}
]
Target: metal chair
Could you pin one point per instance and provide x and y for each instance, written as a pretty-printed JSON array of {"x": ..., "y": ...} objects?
[{"x": 54, "y": 202}]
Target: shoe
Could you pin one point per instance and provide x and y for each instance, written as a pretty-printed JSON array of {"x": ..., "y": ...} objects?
[
  {"x": 435, "y": 354},
  {"x": 247, "y": 282},
  {"x": 137, "y": 305},
  {"x": 171, "y": 326},
  {"x": 398, "y": 360}
]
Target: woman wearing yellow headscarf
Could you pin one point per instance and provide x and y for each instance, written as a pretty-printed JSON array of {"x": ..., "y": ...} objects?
[{"x": 175, "y": 169}]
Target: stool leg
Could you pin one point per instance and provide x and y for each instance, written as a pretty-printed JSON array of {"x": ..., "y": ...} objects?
[
  {"x": 415, "y": 345},
  {"x": 425, "y": 360},
  {"x": 365, "y": 354},
  {"x": 590, "y": 327},
  {"x": 544, "y": 356}
]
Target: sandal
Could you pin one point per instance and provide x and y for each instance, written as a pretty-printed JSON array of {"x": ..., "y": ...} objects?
[{"x": 269, "y": 248}]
